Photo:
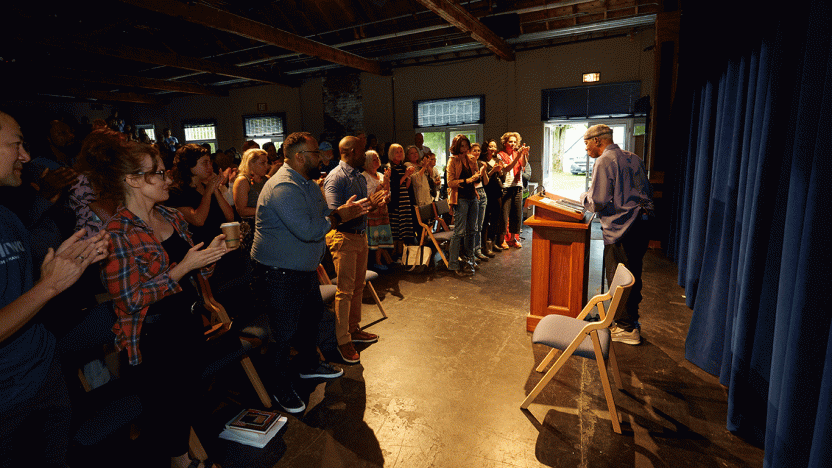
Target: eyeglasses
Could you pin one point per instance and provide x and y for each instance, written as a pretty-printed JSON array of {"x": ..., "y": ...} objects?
[
  {"x": 158, "y": 173},
  {"x": 318, "y": 152}
]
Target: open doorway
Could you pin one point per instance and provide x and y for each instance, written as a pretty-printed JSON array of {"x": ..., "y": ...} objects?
[
  {"x": 439, "y": 140},
  {"x": 567, "y": 169}
]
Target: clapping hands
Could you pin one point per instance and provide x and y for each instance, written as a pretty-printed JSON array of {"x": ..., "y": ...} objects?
[
  {"x": 196, "y": 258},
  {"x": 62, "y": 267},
  {"x": 353, "y": 209}
]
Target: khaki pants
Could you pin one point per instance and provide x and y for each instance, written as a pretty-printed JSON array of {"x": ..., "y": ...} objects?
[{"x": 349, "y": 254}]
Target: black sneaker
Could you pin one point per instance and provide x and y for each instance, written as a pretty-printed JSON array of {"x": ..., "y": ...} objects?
[
  {"x": 288, "y": 398},
  {"x": 323, "y": 371}
]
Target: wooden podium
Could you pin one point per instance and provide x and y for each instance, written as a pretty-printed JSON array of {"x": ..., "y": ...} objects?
[{"x": 560, "y": 258}]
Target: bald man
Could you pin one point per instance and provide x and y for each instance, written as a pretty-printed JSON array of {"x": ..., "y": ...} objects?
[
  {"x": 348, "y": 244},
  {"x": 622, "y": 196},
  {"x": 34, "y": 403}
]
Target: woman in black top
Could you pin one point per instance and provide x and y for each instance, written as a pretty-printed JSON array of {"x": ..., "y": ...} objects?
[
  {"x": 493, "y": 226},
  {"x": 196, "y": 193}
]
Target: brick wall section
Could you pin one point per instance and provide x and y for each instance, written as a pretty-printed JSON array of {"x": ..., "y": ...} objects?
[{"x": 343, "y": 107}]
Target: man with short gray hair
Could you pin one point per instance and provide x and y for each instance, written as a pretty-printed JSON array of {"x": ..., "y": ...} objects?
[{"x": 623, "y": 198}]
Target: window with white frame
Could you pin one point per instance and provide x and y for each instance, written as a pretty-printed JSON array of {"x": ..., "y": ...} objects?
[
  {"x": 440, "y": 120},
  {"x": 201, "y": 131},
  {"x": 149, "y": 129},
  {"x": 264, "y": 128}
]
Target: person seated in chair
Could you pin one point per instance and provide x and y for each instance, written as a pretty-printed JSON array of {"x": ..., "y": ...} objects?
[{"x": 149, "y": 276}]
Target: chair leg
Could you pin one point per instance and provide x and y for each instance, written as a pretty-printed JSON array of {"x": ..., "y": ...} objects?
[
  {"x": 84, "y": 382},
  {"x": 375, "y": 298},
  {"x": 195, "y": 446},
  {"x": 545, "y": 380},
  {"x": 545, "y": 362},
  {"x": 615, "y": 372},
  {"x": 605, "y": 382},
  {"x": 254, "y": 378},
  {"x": 439, "y": 248}
]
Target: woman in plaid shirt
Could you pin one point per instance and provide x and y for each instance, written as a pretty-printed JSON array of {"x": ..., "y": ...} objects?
[{"x": 149, "y": 275}]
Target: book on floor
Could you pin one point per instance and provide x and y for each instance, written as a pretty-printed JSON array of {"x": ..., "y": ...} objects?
[
  {"x": 253, "y": 420},
  {"x": 253, "y": 427}
]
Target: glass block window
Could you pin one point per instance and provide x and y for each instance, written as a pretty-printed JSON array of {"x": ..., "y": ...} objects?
[
  {"x": 263, "y": 125},
  {"x": 444, "y": 112},
  {"x": 201, "y": 131}
]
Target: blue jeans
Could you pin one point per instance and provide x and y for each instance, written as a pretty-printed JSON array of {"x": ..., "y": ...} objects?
[
  {"x": 482, "y": 203},
  {"x": 465, "y": 221},
  {"x": 292, "y": 300}
]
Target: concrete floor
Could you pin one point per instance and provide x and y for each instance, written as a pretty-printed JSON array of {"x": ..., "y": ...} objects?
[{"x": 443, "y": 387}]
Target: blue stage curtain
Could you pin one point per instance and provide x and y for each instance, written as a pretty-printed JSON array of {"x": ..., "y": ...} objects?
[{"x": 748, "y": 233}]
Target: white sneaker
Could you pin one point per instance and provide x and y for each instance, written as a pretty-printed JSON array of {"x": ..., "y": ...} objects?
[{"x": 623, "y": 336}]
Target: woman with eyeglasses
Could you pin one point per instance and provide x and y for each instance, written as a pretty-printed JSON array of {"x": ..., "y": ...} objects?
[{"x": 150, "y": 276}]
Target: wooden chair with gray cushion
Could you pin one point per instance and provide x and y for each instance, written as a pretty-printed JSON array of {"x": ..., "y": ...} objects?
[
  {"x": 426, "y": 217},
  {"x": 590, "y": 340},
  {"x": 328, "y": 289}
]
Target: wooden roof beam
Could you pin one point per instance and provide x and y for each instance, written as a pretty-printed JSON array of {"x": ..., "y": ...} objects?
[
  {"x": 134, "y": 81},
  {"x": 169, "y": 59},
  {"x": 238, "y": 25},
  {"x": 108, "y": 96},
  {"x": 466, "y": 22}
]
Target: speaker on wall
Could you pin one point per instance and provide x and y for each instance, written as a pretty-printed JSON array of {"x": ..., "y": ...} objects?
[{"x": 505, "y": 26}]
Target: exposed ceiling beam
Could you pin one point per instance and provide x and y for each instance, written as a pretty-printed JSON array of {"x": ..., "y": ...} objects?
[
  {"x": 238, "y": 25},
  {"x": 169, "y": 60},
  {"x": 108, "y": 96},
  {"x": 466, "y": 22},
  {"x": 132, "y": 81}
]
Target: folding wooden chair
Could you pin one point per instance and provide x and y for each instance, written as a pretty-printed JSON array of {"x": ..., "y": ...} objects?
[
  {"x": 586, "y": 339},
  {"x": 328, "y": 288},
  {"x": 237, "y": 350},
  {"x": 426, "y": 215}
]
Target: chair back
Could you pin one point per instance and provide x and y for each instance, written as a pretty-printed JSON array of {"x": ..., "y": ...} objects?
[
  {"x": 442, "y": 207},
  {"x": 622, "y": 283},
  {"x": 220, "y": 323},
  {"x": 424, "y": 215}
]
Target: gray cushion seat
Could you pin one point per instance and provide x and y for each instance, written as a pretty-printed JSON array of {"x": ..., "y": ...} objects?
[{"x": 558, "y": 331}]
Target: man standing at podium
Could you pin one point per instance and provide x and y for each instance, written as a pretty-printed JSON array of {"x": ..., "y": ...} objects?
[{"x": 623, "y": 198}]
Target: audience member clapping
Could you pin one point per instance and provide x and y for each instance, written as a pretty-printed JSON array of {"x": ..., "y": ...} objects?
[
  {"x": 482, "y": 201},
  {"x": 34, "y": 403},
  {"x": 419, "y": 178},
  {"x": 149, "y": 275},
  {"x": 493, "y": 226},
  {"x": 196, "y": 193},
  {"x": 462, "y": 175},
  {"x": 379, "y": 235},
  {"x": 251, "y": 178},
  {"x": 401, "y": 199}
]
